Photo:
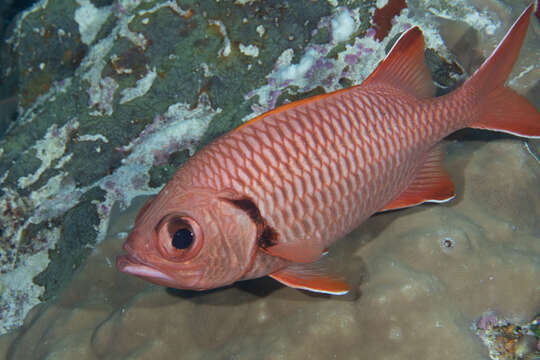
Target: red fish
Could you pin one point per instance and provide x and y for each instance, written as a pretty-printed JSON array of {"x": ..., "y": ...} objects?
[{"x": 270, "y": 197}]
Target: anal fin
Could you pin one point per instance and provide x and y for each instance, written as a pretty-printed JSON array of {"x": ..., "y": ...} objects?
[
  {"x": 432, "y": 184},
  {"x": 313, "y": 277}
]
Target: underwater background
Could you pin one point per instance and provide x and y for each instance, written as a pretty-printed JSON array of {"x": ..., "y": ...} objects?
[{"x": 103, "y": 100}]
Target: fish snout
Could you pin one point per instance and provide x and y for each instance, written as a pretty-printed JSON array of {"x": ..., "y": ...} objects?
[
  {"x": 135, "y": 240},
  {"x": 130, "y": 247},
  {"x": 127, "y": 248}
]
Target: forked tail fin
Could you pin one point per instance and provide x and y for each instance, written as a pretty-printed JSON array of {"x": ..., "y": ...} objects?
[{"x": 502, "y": 109}]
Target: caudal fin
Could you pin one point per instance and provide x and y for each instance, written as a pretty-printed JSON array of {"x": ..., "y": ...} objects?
[{"x": 502, "y": 109}]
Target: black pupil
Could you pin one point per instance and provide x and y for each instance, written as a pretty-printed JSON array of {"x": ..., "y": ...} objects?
[{"x": 182, "y": 239}]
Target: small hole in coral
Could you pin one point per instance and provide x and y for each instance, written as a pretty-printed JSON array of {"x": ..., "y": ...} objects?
[{"x": 447, "y": 243}]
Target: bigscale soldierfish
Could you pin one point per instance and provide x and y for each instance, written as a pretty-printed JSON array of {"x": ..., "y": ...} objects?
[{"x": 270, "y": 197}]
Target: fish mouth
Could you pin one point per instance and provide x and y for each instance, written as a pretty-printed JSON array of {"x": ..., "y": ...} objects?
[{"x": 131, "y": 265}]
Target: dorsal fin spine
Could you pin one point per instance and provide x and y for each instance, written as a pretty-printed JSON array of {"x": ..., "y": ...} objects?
[{"x": 404, "y": 66}]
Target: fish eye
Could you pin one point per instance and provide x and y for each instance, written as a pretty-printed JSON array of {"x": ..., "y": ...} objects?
[
  {"x": 179, "y": 237},
  {"x": 182, "y": 239}
]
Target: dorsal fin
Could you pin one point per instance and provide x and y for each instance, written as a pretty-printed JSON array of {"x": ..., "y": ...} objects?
[
  {"x": 404, "y": 66},
  {"x": 432, "y": 184}
]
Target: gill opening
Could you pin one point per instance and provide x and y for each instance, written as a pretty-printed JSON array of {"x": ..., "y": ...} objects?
[{"x": 266, "y": 235}]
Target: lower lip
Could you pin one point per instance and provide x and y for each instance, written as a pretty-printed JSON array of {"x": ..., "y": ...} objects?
[
  {"x": 123, "y": 262},
  {"x": 129, "y": 265}
]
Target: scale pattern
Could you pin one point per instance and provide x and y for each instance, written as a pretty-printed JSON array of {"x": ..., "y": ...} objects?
[{"x": 317, "y": 170}]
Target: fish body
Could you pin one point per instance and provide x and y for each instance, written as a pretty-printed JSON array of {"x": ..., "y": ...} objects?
[{"x": 270, "y": 197}]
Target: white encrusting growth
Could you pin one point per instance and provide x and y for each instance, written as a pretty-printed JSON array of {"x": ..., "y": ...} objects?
[
  {"x": 343, "y": 26},
  {"x": 249, "y": 50},
  {"x": 143, "y": 85},
  {"x": 226, "y": 49},
  {"x": 64, "y": 196},
  {"x": 294, "y": 71},
  {"x": 102, "y": 96},
  {"x": 381, "y": 3},
  {"x": 90, "y": 19},
  {"x": 88, "y": 137},
  {"x": 179, "y": 123},
  {"x": 260, "y": 30},
  {"x": 101, "y": 90},
  {"x": 243, "y": 2},
  {"x": 173, "y": 5},
  {"x": 50, "y": 148},
  {"x": 15, "y": 300}
]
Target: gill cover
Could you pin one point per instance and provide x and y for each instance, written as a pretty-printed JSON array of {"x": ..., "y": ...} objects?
[{"x": 223, "y": 239}]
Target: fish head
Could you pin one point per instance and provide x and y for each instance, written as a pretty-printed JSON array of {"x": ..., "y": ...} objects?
[{"x": 197, "y": 240}]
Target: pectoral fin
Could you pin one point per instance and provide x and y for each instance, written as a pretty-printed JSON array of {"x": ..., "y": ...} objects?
[
  {"x": 269, "y": 240},
  {"x": 313, "y": 277},
  {"x": 295, "y": 251}
]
